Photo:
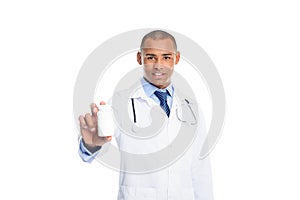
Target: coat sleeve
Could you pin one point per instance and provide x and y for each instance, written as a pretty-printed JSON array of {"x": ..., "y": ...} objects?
[
  {"x": 202, "y": 180},
  {"x": 88, "y": 157},
  {"x": 200, "y": 168},
  {"x": 85, "y": 154}
]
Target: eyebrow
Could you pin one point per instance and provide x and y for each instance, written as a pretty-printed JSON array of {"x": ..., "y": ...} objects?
[
  {"x": 150, "y": 54},
  {"x": 165, "y": 54}
]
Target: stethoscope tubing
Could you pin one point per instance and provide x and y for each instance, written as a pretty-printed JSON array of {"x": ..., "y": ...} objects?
[{"x": 188, "y": 103}]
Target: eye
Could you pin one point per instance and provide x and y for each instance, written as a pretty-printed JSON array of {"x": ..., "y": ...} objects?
[
  {"x": 150, "y": 57},
  {"x": 167, "y": 57}
]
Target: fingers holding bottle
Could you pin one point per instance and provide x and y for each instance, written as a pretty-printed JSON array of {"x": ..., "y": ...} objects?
[{"x": 89, "y": 129}]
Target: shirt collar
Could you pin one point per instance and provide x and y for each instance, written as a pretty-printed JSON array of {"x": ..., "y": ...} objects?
[{"x": 150, "y": 89}]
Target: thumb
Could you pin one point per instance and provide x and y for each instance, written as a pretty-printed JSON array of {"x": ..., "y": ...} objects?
[{"x": 108, "y": 138}]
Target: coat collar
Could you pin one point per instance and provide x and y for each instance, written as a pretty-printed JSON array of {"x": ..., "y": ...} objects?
[{"x": 143, "y": 89}]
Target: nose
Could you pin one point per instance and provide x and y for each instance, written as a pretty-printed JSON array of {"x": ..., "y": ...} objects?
[{"x": 158, "y": 63}]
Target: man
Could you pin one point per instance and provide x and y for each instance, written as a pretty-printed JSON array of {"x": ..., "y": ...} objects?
[{"x": 188, "y": 178}]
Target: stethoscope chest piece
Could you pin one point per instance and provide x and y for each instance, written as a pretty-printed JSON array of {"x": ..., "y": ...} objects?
[{"x": 186, "y": 112}]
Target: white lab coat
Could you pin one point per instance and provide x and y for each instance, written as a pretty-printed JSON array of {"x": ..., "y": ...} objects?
[{"x": 189, "y": 178}]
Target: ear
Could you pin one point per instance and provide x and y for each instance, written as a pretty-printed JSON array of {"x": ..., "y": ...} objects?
[
  {"x": 139, "y": 58},
  {"x": 177, "y": 57}
]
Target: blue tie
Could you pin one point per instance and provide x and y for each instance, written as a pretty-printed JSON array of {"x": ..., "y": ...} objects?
[{"x": 162, "y": 96}]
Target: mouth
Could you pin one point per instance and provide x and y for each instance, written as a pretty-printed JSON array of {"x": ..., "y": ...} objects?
[{"x": 158, "y": 75}]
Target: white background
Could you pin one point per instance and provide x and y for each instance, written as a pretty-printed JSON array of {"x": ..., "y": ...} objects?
[{"x": 254, "y": 44}]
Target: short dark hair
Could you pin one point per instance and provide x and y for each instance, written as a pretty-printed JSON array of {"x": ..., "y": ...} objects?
[{"x": 158, "y": 35}]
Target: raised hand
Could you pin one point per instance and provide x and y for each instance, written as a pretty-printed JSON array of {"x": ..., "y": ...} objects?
[{"x": 89, "y": 129}]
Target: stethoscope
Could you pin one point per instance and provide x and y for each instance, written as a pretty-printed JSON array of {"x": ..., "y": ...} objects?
[{"x": 177, "y": 113}]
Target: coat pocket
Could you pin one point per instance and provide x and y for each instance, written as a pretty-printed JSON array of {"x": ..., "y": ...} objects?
[
  {"x": 137, "y": 193},
  {"x": 188, "y": 194}
]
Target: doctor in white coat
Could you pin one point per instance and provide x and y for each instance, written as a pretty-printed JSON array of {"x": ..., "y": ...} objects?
[{"x": 188, "y": 177}]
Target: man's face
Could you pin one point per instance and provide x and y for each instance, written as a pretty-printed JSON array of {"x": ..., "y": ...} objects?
[{"x": 158, "y": 58}]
